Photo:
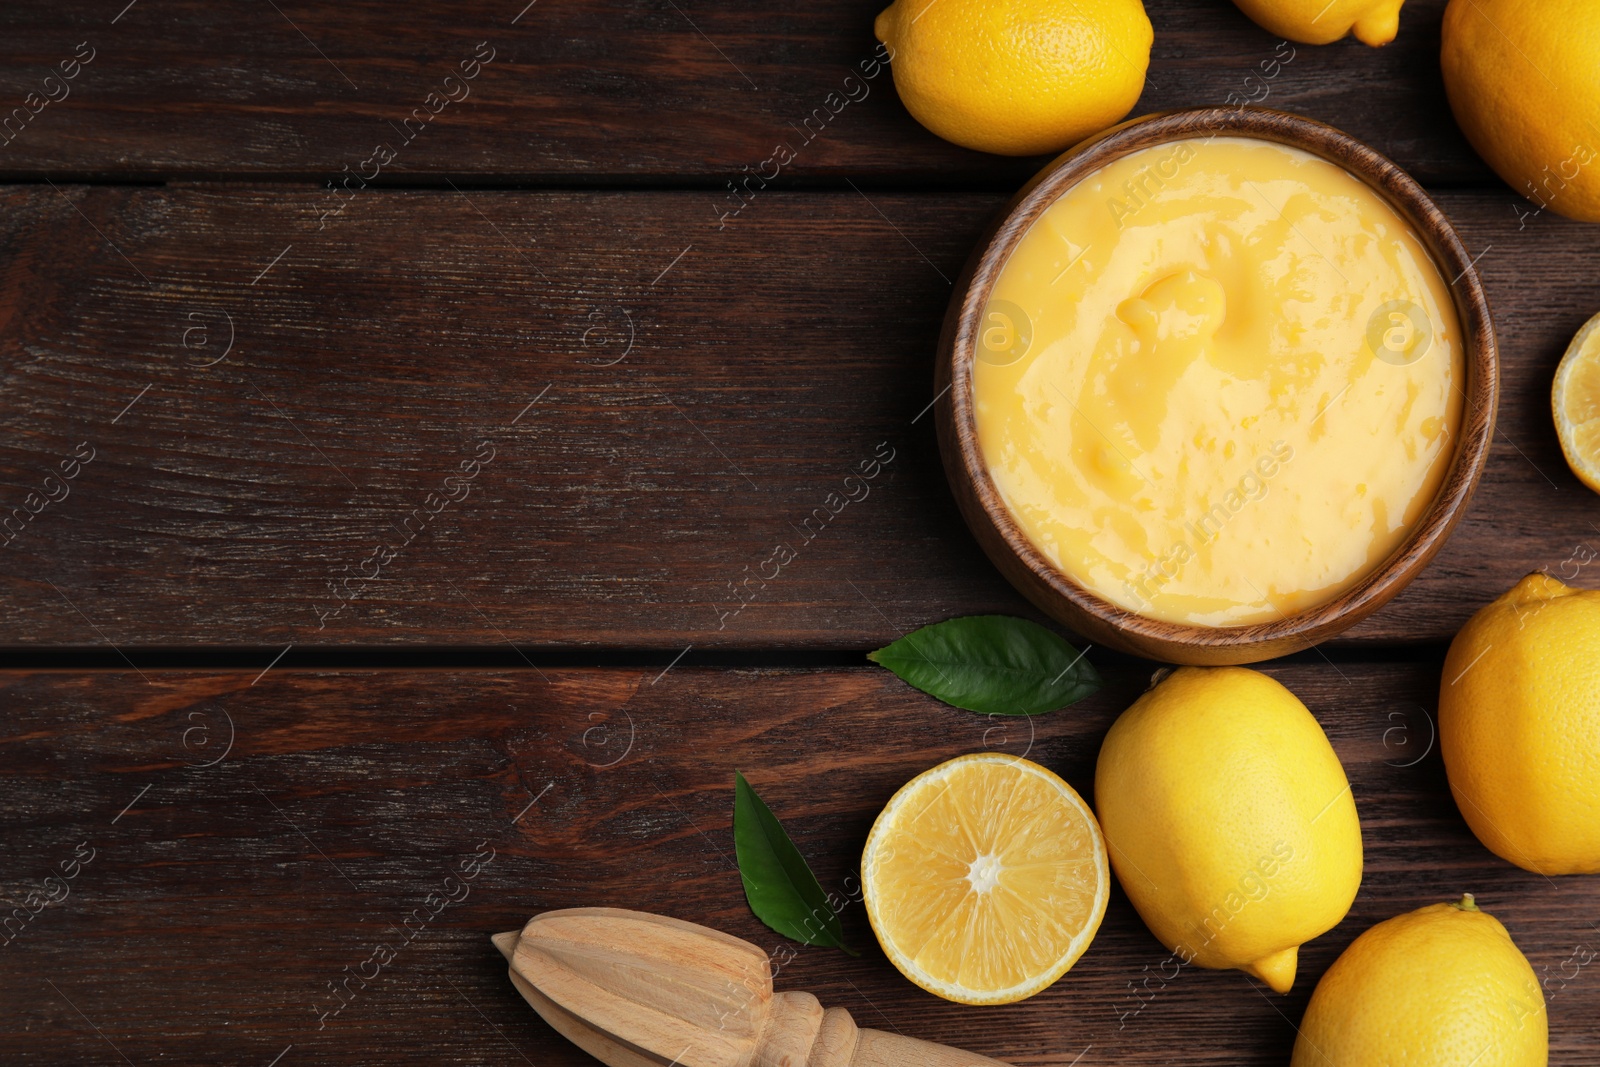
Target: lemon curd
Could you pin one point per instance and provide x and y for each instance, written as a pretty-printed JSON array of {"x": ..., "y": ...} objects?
[{"x": 1217, "y": 381}]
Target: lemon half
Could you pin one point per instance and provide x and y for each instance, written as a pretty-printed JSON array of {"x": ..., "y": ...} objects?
[
  {"x": 1575, "y": 400},
  {"x": 985, "y": 879}
]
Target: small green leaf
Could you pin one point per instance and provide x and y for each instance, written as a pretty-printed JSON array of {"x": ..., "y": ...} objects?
[
  {"x": 991, "y": 664},
  {"x": 781, "y": 889}
]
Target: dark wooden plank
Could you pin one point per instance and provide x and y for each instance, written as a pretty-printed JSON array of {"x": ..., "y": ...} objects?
[
  {"x": 221, "y": 900},
  {"x": 628, "y": 90},
  {"x": 635, "y": 504}
]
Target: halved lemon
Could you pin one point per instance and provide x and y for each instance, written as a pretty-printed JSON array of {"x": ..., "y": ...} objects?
[
  {"x": 1575, "y": 399},
  {"x": 985, "y": 879}
]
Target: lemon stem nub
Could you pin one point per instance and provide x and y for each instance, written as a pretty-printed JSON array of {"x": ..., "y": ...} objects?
[
  {"x": 1277, "y": 970},
  {"x": 1467, "y": 903}
]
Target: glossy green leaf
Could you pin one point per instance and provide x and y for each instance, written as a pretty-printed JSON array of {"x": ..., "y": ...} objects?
[
  {"x": 992, "y": 664},
  {"x": 779, "y": 885}
]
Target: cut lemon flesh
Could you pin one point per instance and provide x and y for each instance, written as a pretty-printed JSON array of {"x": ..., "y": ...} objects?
[
  {"x": 985, "y": 879},
  {"x": 1575, "y": 399}
]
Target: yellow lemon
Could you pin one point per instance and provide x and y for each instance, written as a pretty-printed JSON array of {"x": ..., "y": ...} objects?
[
  {"x": 1521, "y": 79},
  {"x": 1229, "y": 820},
  {"x": 1017, "y": 77},
  {"x": 1374, "y": 22},
  {"x": 1440, "y": 985},
  {"x": 1575, "y": 400},
  {"x": 985, "y": 878},
  {"x": 1519, "y": 725}
]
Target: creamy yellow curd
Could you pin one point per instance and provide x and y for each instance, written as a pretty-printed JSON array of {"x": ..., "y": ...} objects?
[{"x": 1217, "y": 381}]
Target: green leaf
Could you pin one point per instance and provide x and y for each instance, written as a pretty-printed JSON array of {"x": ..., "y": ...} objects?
[
  {"x": 991, "y": 664},
  {"x": 781, "y": 889}
]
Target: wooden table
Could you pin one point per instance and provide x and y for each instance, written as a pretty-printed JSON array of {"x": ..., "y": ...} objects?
[{"x": 428, "y": 401}]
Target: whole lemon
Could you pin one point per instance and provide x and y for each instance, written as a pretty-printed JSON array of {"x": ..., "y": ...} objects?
[
  {"x": 1229, "y": 820},
  {"x": 1440, "y": 985},
  {"x": 1374, "y": 22},
  {"x": 1519, "y": 726},
  {"x": 1017, "y": 77},
  {"x": 1522, "y": 82}
]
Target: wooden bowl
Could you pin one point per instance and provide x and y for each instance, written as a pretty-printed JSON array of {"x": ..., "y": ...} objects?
[{"x": 1097, "y": 619}]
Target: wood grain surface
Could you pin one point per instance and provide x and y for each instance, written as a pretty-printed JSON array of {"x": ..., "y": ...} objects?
[
  {"x": 634, "y": 405},
  {"x": 602, "y": 89},
  {"x": 388, "y": 331},
  {"x": 254, "y": 837}
]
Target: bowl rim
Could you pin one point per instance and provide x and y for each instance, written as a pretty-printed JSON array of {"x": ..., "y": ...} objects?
[{"x": 1089, "y": 613}]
